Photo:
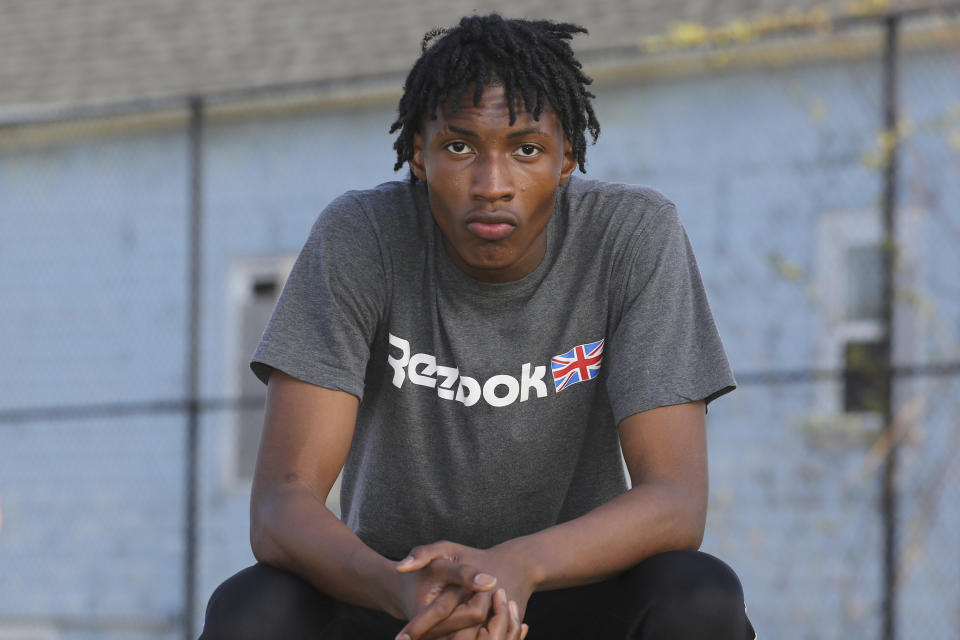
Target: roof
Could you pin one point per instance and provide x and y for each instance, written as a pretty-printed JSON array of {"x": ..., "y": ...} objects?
[{"x": 63, "y": 54}]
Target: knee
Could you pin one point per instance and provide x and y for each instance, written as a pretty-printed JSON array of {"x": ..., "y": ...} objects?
[
  {"x": 262, "y": 602},
  {"x": 700, "y": 580},
  {"x": 695, "y": 595}
]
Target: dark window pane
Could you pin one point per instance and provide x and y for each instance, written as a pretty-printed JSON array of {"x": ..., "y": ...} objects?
[
  {"x": 266, "y": 288},
  {"x": 864, "y": 381}
]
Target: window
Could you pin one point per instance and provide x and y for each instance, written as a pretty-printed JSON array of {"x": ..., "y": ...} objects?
[
  {"x": 849, "y": 328},
  {"x": 864, "y": 382},
  {"x": 254, "y": 287},
  {"x": 863, "y": 293},
  {"x": 254, "y": 316}
]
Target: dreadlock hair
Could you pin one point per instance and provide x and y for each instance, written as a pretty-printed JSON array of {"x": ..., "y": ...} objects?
[{"x": 531, "y": 58}]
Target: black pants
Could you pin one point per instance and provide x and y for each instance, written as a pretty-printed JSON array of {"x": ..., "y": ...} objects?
[{"x": 680, "y": 595}]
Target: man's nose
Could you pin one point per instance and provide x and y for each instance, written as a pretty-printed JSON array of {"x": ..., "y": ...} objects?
[{"x": 492, "y": 179}]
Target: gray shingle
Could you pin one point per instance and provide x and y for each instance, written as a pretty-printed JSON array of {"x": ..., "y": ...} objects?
[{"x": 63, "y": 53}]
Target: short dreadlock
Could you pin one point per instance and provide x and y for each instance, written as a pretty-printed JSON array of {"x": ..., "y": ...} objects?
[{"x": 531, "y": 57}]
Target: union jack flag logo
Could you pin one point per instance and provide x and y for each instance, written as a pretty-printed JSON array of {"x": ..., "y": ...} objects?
[{"x": 577, "y": 365}]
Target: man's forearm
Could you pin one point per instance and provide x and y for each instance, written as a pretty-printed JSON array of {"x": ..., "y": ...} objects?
[
  {"x": 666, "y": 455},
  {"x": 648, "y": 519},
  {"x": 292, "y": 530}
]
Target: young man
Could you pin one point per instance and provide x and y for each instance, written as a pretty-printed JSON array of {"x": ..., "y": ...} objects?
[{"x": 474, "y": 348}]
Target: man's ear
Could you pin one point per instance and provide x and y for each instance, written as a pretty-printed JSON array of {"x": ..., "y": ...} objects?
[
  {"x": 416, "y": 161},
  {"x": 569, "y": 162}
]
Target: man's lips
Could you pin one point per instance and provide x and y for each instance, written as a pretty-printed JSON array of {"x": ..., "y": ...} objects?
[
  {"x": 490, "y": 225},
  {"x": 490, "y": 231}
]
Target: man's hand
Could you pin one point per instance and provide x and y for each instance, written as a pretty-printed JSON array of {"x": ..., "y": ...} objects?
[
  {"x": 433, "y": 584},
  {"x": 505, "y": 623},
  {"x": 500, "y": 620},
  {"x": 456, "y": 613}
]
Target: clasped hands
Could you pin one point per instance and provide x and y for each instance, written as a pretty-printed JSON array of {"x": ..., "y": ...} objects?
[{"x": 449, "y": 591}]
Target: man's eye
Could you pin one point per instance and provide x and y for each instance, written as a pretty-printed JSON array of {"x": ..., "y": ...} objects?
[
  {"x": 458, "y": 148},
  {"x": 528, "y": 150}
]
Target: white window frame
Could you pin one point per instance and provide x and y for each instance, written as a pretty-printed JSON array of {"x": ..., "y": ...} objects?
[
  {"x": 242, "y": 274},
  {"x": 837, "y": 231}
]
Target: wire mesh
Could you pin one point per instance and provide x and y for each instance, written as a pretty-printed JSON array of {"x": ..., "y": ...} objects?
[{"x": 774, "y": 151}]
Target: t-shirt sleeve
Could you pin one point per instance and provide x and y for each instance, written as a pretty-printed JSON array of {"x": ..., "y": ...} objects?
[
  {"x": 665, "y": 348},
  {"x": 324, "y": 322}
]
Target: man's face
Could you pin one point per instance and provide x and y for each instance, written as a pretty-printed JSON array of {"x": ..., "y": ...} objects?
[{"x": 492, "y": 186}]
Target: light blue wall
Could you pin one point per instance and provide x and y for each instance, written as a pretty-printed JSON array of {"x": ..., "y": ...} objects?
[
  {"x": 749, "y": 170},
  {"x": 266, "y": 181},
  {"x": 92, "y": 266},
  {"x": 92, "y": 519},
  {"x": 93, "y": 309}
]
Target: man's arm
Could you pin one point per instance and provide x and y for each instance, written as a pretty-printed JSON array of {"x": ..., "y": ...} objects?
[
  {"x": 666, "y": 455},
  {"x": 306, "y": 438}
]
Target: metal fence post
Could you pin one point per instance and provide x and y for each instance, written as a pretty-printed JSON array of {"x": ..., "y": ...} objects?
[
  {"x": 195, "y": 240},
  {"x": 888, "y": 492}
]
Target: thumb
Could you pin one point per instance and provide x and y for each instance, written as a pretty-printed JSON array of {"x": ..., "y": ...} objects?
[{"x": 421, "y": 556}]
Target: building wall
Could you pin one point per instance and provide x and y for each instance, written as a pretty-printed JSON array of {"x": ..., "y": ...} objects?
[
  {"x": 750, "y": 171},
  {"x": 93, "y": 309}
]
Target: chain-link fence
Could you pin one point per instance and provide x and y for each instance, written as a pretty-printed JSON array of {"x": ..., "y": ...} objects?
[{"x": 141, "y": 251}]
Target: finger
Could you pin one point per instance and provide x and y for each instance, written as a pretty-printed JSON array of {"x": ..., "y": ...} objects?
[
  {"x": 513, "y": 629},
  {"x": 473, "y": 633},
  {"x": 470, "y": 633},
  {"x": 472, "y": 578},
  {"x": 471, "y": 613},
  {"x": 524, "y": 629},
  {"x": 441, "y": 607},
  {"x": 442, "y": 555},
  {"x": 463, "y": 575},
  {"x": 500, "y": 622},
  {"x": 421, "y": 556}
]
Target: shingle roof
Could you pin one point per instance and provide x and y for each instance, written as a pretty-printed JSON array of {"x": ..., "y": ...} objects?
[{"x": 66, "y": 53}]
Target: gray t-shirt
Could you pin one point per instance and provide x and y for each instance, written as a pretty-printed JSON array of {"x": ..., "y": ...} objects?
[{"x": 485, "y": 413}]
